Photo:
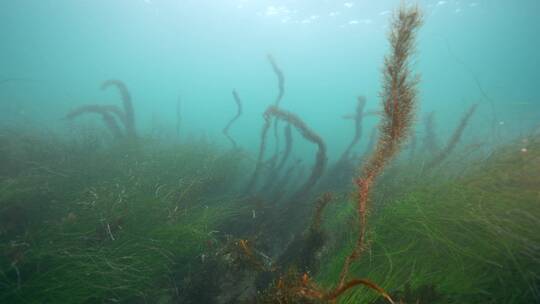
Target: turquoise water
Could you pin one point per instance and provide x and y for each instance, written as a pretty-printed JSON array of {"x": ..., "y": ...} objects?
[
  {"x": 482, "y": 52},
  {"x": 168, "y": 212}
]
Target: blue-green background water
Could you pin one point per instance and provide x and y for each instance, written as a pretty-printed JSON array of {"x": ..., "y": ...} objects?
[
  {"x": 92, "y": 216},
  {"x": 469, "y": 52}
]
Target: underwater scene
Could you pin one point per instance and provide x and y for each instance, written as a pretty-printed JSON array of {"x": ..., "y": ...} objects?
[{"x": 269, "y": 151}]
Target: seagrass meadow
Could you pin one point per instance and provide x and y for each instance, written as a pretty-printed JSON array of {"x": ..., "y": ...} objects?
[{"x": 269, "y": 151}]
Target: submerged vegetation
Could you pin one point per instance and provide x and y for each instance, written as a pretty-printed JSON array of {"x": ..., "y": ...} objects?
[
  {"x": 164, "y": 224},
  {"x": 87, "y": 217}
]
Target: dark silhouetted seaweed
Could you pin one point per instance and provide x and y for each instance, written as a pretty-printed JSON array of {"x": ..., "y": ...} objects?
[
  {"x": 275, "y": 171},
  {"x": 238, "y": 113},
  {"x": 281, "y": 92},
  {"x": 281, "y": 80},
  {"x": 260, "y": 158},
  {"x": 126, "y": 116},
  {"x": 309, "y": 135},
  {"x": 306, "y": 132},
  {"x": 288, "y": 148},
  {"x": 104, "y": 111},
  {"x": 129, "y": 115},
  {"x": 454, "y": 140},
  {"x": 343, "y": 170}
]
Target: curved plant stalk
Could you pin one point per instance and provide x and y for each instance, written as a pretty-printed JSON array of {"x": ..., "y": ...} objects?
[
  {"x": 238, "y": 113},
  {"x": 129, "y": 115},
  {"x": 104, "y": 111},
  {"x": 454, "y": 140},
  {"x": 274, "y": 176},
  {"x": 357, "y": 129},
  {"x": 306, "y": 132},
  {"x": 281, "y": 80},
  {"x": 309, "y": 135},
  {"x": 281, "y": 92},
  {"x": 126, "y": 116}
]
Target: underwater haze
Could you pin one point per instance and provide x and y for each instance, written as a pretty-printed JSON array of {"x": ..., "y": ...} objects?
[
  {"x": 469, "y": 52},
  {"x": 266, "y": 151}
]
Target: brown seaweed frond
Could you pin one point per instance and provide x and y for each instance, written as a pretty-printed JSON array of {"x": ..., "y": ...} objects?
[
  {"x": 127, "y": 104},
  {"x": 309, "y": 135},
  {"x": 454, "y": 140},
  {"x": 399, "y": 99},
  {"x": 238, "y": 113},
  {"x": 104, "y": 111}
]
